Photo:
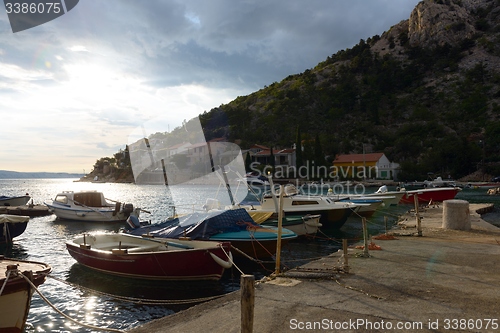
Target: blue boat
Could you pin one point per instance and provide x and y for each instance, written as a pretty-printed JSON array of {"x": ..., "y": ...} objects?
[{"x": 235, "y": 226}]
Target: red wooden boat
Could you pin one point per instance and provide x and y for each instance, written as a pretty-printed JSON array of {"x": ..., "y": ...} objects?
[
  {"x": 16, "y": 292},
  {"x": 426, "y": 195},
  {"x": 156, "y": 259}
]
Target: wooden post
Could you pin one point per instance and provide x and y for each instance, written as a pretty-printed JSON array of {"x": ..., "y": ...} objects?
[
  {"x": 247, "y": 302},
  {"x": 365, "y": 238},
  {"x": 346, "y": 258},
  {"x": 280, "y": 230},
  {"x": 417, "y": 215}
]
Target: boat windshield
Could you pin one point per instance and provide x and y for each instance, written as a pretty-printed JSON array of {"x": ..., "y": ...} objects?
[{"x": 61, "y": 199}]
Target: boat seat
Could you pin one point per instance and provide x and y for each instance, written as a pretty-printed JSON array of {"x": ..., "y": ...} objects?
[
  {"x": 151, "y": 248},
  {"x": 132, "y": 248}
]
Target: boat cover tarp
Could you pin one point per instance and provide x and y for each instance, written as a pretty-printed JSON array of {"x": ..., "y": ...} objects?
[
  {"x": 200, "y": 225},
  {"x": 8, "y": 218}
]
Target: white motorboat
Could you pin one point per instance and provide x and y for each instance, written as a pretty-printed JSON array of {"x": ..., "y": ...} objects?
[
  {"x": 333, "y": 214},
  {"x": 90, "y": 206},
  {"x": 254, "y": 179},
  {"x": 390, "y": 198}
]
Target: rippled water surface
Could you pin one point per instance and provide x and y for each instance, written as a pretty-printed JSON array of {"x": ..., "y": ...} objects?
[{"x": 90, "y": 297}]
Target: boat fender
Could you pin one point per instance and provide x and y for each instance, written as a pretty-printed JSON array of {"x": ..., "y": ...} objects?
[
  {"x": 133, "y": 222},
  {"x": 222, "y": 263}
]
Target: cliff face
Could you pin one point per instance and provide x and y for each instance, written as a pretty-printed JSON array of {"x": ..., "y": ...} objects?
[{"x": 437, "y": 23}]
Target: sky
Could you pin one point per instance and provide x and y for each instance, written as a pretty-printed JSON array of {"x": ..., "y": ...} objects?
[{"x": 72, "y": 90}]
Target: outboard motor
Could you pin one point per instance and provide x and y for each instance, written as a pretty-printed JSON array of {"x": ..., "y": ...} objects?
[
  {"x": 133, "y": 222},
  {"x": 382, "y": 189},
  {"x": 128, "y": 208}
]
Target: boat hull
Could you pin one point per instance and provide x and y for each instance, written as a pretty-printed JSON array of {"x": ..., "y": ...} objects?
[
  {"x": 390, "y": 198},
  {"x": 151, "y": 264},
  {"x": 367, "y": 207},
  {"x": 333, "y": 214},
  {"x": 329, "y": 218},
  {"x": 258, "y": 244},
  {"x": 15, "y": 299},
  {"x": 430, "y": 195},
  {"x": 301, "y": 225},
  {"x": 14, "y": 201},
  {"x": 12, "y": 226}
]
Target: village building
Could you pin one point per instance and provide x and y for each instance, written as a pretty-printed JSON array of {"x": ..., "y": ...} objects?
[{"x": 280, "y": 158}]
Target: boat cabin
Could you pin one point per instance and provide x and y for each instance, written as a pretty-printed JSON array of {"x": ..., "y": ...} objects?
[{"x": 87, "y": 198}]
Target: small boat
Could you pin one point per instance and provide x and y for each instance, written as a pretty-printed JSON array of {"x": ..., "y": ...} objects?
[
  {"x": 12, "y": 226},
  {"x": 426, "y": 195},
  {"x": 154, "y": 259},
  {"x": 430, "y": 183},
  {"x": 254, "y": 179},
  {"x": 333, "y": 214},
  {"x": 232, "y": 225},
  {"x": 14, "y": 201},
  {"x": 90, "y": 206},
  {"x": 16, "y": 292},
  {"x": 390, "y": 198},
  {"x": 300, "y": 224}
]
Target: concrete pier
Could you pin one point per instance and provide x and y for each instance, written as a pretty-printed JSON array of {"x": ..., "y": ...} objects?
[{"x": 433, "y": 283}]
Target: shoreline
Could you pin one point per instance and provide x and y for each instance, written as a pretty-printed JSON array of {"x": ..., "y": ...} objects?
[{"x": 432, "y": 279}]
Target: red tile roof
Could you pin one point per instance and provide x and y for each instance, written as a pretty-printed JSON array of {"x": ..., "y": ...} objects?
[{"x": 371, "y": 157}]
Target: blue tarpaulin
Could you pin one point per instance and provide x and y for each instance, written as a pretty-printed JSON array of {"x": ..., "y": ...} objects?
[{"x": 200, "y": 225}]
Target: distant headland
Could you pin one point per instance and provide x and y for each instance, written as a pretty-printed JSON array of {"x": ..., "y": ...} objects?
[{"x": 5, "y": 174}]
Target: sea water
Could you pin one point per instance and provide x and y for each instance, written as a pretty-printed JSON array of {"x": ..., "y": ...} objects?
[{"x": 107, "y": 301}]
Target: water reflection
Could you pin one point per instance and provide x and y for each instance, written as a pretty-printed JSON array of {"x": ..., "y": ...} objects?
[{"x": 14, "y": 250}]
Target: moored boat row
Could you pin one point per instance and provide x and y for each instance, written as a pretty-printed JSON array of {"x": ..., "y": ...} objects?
[{"x": 200, "y": 246}]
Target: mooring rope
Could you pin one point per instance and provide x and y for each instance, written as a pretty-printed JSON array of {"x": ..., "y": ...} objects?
[
  {"x": 232, "y": 261},
  {"x": 5, "y": 282},
  {"x": 65, "y": 315},
  {"x": 143, "y": 301}
]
